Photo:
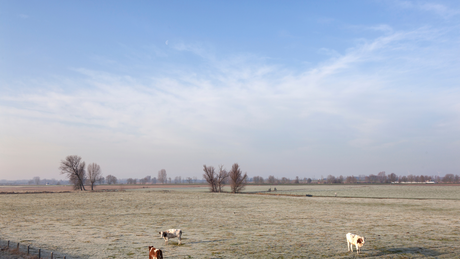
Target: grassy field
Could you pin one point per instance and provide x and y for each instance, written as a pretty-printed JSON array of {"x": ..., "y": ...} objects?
[{"x": 123, "y": 224}]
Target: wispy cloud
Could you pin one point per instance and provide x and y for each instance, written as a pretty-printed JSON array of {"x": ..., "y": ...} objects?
[
  {"x": 358, "y": 99},
  {"x": 436, "y": 8}
]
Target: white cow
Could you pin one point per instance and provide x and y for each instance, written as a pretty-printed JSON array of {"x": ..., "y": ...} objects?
[
  {"x": 171, "y": 233},
  {"x": 354, "y": 240}
]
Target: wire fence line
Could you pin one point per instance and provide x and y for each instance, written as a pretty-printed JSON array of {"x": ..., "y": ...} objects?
[{"x": 16, "y": 248}]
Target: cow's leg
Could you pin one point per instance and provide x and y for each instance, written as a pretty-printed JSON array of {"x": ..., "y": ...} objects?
[
  {"x": 348, "y": 246},
  {"x": 357, "y": 248}
]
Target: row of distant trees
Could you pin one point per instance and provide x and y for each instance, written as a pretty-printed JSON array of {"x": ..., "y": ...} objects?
[
  {"x": 381, "y": 177},
  {"x": 78, "y": 174}
]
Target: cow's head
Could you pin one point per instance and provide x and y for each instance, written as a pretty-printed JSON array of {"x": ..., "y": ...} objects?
[
  {"x": 163, "y": 234},
  {"x": 360, "y": 241}
]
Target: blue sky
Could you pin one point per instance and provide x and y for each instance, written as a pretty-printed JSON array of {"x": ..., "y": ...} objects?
[{"x": 302, "y": 88}]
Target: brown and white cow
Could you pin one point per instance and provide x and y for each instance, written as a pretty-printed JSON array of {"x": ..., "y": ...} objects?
[
  {"x": 354, "y": 240},
  {"x": 171, "y": 233},
  {"x": 155, "y": 253}
]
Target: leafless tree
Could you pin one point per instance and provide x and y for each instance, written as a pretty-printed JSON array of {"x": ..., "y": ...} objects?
[
  {"x": 74, "y": 168},
  {"x": 189, "y": 180},
  {"x": 271, "y": 179},
  {"x": 210, "y": 177},
  {"x": 392, "y": 177},
  {"x": 221, "y": 177},
  {"x": 285, "y": 180},
  {"x": 145, "y": 180},
  {"x": 350, "y": 180},
  {"x": 111, "y": 179},
  {"x": 162, "y": 176},
  {"x": 94, "y": 173},
  {"x": 382, "y": 178},
  {"x": 258, "y": 179},
  {"x": 309, "y": 180},
  {"x": 331, "y": 179},
  {"x": 237, "y": 179},
  {"x": 297, "y": 180},
  {"x": 448, "y": 178},
  {"x": 37, "y": 180}
]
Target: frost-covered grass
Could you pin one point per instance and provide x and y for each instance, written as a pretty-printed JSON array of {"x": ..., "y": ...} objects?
[
  {"x": 372, "y": 191},
  {"x": 124, "y": 224}
]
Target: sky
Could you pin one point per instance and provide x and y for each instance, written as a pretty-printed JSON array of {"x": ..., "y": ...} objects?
[{"x": 297, "y": 88}]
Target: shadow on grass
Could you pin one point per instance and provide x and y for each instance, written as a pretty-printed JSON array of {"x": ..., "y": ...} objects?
[{"x": 408, "y": 250}]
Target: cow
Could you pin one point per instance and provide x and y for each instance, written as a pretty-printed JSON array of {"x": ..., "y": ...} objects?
[
  {"x": 356, "y": 240},
  {"x": 171, "y": 233},
  {"x": 155, "y": 253}
]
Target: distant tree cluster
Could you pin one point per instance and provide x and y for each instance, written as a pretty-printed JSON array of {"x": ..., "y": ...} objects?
[
  {"x": 382, "y": 178},
  {"x": 162, "y": 176},
  {"x": 74, "y": 169},
  {"x": 379, "y": 178},
  {"x": 215, "y": 180}
]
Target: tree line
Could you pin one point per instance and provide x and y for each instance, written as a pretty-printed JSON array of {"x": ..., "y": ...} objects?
[
  {"x": 79, "y": 174},
  {"x": 381, "y": 178}
]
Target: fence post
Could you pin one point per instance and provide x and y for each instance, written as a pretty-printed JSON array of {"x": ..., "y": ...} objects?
[
  {"x": 51, "y": 255},
  {"x": 18, "y": 247},
  {"x": 8, "y": 244},
  {"x": 39, "y": 253},
  {"x": 64, "y": 256},
  {"x": 28, "y": 247}
]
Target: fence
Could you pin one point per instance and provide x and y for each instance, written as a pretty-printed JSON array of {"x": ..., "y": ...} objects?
[{"x": 26, "y": 249}]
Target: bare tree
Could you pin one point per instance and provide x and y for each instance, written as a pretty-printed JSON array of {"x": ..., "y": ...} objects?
[
  {"x": 258, "y": 179},
  {"x": 392, "y": 177},
  {"x": 111, "y": 179},
  {"x": 162, "y": 176},
  {"x": 74, "y": 168},
  {"x": 189, "y": 180},
  {"x": 237, "y": 179},
  {"x": 271, "y": 179},
  {"x": 331, "y": 179},
  {"x": 94, "y": 173},
  {"x": 350, "y": 180},
  {"x": 285, "y": 180},
  {"x": 448, "y": 178},
  {"x": 382, "y": 178},
  {"x": 210, "y": 177},
  {"x": 221, "y": 177},
  {"x": 37, "y": 180}
]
